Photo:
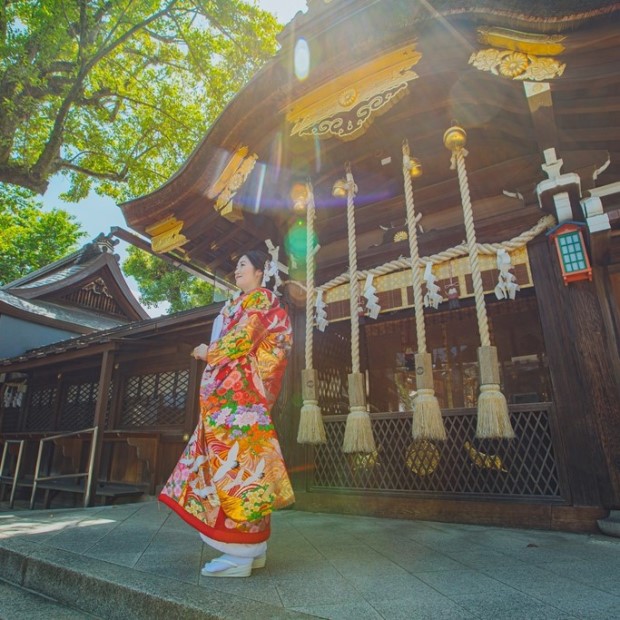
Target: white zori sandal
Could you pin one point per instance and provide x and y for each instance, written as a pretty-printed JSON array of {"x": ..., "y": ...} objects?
[{"x": 228, "y": 566}]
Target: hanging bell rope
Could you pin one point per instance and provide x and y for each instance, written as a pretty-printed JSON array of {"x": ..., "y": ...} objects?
[
  {"x": 311, "y": 428},
  {"x": 493, "y": 416},
  {"x": 427, "y": 421},
  {"x": 358, "y": 435}
]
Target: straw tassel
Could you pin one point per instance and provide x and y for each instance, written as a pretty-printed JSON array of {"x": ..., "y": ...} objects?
[
  {"x": 358, "y": 435},
  {"x": 311, "y": 429},
  {"x": 427, "y": 420},
  {"x": 493, "y": 416}
]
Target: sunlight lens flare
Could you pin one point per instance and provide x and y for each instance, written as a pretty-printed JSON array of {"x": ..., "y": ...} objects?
[{"x": 302, "y": 59}]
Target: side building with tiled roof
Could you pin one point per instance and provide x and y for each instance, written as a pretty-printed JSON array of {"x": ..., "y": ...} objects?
[{"x": 81, "y": 293}]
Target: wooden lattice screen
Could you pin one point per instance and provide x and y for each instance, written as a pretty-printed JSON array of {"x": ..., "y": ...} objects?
[
  {"x": 40, "y": 408},
  {"x": 153, "y": 400},
  {"x": 77, "y": 409},
  {"x": 332, "y": 359},
  {"x": 523, "y": 467}
]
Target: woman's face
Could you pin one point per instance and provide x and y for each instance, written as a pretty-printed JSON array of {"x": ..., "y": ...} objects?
[{"x": 247, "y": 277}]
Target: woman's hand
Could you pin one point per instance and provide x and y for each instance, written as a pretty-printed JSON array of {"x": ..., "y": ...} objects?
[{"x": 200, "y": 352}]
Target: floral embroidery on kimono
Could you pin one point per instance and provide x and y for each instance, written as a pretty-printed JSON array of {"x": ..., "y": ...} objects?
[{"x": 231, "y": 475}]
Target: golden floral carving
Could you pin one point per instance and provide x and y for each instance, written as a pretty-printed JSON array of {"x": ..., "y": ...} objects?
[
  {"x": 229, "y": 182},
  {"x": 346, "y": 106},
  {"x": 348, "y": 97},
  {"x": 543, "y": 69},
  {"x": 516, "y": 65},
  {"x": 513, "y": 65},
  {"x": 235, "y": 182}
]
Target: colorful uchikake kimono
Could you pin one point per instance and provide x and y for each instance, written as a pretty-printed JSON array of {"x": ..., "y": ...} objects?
[{"x": 231, "y": 475}]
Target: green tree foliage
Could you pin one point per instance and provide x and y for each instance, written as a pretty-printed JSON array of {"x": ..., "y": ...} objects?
[
  {"x": 29, "y": 237},
  {"x": 160, "y": 282},
  {"x": 115, "y": 93}
]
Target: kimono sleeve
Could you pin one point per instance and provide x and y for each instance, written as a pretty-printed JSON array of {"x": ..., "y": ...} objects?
[{"x": 246, "y": 335}]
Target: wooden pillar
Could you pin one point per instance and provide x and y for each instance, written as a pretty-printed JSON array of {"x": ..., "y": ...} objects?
[
  {"x": 105, "y": 378},
  {"x": 610, "y": 417},
  {"x": 192, "y": 405},
  {"x": 586, "y": 390},
  {"x": 58, "y": 402},
  {"x": 298, "y": 457},
  {"x": 114, "y": 417}
]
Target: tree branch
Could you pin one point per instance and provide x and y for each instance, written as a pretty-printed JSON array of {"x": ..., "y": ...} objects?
[
  {"x": 22, "y": 177},
  {"x": 157, "y": 109},
  {"x": 106, "y": 50},
  {"x": 52, "y": 147},
  {"x": 118, "y": 177}
]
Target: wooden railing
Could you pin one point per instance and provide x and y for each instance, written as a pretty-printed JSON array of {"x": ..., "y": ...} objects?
[
  {"x": 11, "y": 477},
  {"x": 65, "y": 464},
  {"x": 58, "y": 481}
]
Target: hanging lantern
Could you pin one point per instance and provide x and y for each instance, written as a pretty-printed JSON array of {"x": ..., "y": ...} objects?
[{"x": 572, "y": 253}]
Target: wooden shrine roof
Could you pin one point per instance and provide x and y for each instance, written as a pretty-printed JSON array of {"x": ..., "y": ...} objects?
[
  {"x": 81, "y": 292},
  {"x": 506, "y": 135}
]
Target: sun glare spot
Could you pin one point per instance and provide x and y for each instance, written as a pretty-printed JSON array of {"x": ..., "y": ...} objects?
[
  {"x": 262, "y": 168},
  {"x": 302, "y": 59},
  {"x": 276, "y": 155},
  {"x": 317, "y": 154}
]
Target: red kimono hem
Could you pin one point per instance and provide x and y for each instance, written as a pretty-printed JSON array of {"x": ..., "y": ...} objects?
[{"x": 218, "y": 532}]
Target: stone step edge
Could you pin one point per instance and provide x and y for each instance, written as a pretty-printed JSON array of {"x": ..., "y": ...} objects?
[
  {"x": 611, "y": 525},
  {"x": 35, "y": 605},
  {"x": 111, "y": 591}
]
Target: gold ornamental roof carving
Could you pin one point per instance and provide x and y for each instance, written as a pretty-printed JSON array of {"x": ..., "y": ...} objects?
[
  {"x": 346, "y": 106},
  {"x": 166, "y": 235},
  {"x": 230, "y": 181},
  {"x": 519, "y": 55}
]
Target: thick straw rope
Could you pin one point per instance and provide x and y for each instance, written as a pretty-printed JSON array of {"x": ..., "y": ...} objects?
[
  {"x": 354, "y": 281},
  {"x": 358, "y": 435},
  {"x": 311, "y": 428},
  {"x": 414, "y": 252},
  {"x": 472, "y": 249},
  {"x": 488, "y": 249},
  {"x": 493, "y": 419},
  {"x": 427, "y": 422},
  {"x": 310, "y": 215}
]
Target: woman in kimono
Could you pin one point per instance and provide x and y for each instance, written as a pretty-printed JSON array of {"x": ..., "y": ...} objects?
[{"x": 231, "y": 475}]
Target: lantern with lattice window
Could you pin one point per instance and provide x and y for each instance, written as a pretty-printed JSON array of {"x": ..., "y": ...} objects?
[{"x": 572, "y": 252}]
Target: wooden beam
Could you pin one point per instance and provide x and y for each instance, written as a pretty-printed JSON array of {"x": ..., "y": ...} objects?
[
  {"x": 105, "y": 379},
  {"x": 540, "y": 103},
  {"x": 51, "y": 358}
]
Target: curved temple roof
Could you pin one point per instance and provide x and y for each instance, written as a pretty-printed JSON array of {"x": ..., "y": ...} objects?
[{"x": 508, "y": 128}]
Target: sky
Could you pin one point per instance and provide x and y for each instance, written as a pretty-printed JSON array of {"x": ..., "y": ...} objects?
[{"x": 96, "y": 213}]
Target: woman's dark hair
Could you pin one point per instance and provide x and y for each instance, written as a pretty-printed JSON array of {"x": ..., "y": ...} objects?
[{"x": 258, "y": 258}]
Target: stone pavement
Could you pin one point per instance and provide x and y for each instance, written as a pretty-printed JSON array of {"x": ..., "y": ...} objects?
[{"x": 142, "y": 561}]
